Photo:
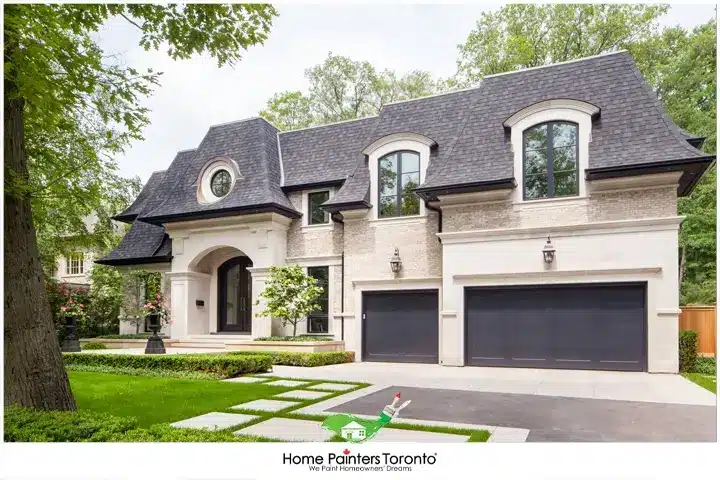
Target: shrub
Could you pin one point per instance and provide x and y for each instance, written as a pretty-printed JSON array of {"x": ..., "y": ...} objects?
[
  {"x": 299, "y": 338},
  {"x": 688, "y": 351},
  {"x": 94, "y": 346},
  {"x": 142, "y": 372},
  {"x": 296, "y": 359},
  {"x": 706, "y": 366},
  {"x": 222, "y": 365},
  {"x": 29, "y": 425}
]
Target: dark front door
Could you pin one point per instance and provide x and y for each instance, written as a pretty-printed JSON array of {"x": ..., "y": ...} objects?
[
  {"x": 400, "y": 326},
  {"x": 235, "y": 296},
  {"x": 596, "y": 327}
]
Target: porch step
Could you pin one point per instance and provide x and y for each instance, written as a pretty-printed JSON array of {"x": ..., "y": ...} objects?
[
  {"x": 215, "y": 339},
  {"x": 193, "y": 344}
]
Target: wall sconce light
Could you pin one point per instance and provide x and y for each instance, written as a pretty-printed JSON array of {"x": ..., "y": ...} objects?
[
  {"x": 548, "y": 251},
  {"x": 395, "y": 262}
]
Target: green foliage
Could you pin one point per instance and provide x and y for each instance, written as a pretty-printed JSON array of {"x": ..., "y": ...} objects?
[
  {"x": 106, "y": 294},
  {"x": 295, "y": 359},
  {"x": 530, "y": 35},
  {"x": 688, "y": 351},
  {"x": 299, "y": 338},
  {"x": 138, "y": 285},
  {"x": 221, "y": 365},
  {"x": 29, "y": 425},
  {"x": 344, "y": 89},
  {"x": 706, "y": 366},
  {"x": 141, "y": 372},
  {"x": 94, "y": 346},
  {"x": 290, "y": 295}
]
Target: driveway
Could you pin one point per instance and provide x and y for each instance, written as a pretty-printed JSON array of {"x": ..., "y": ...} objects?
[
  {"x": 551, "y": 418},
  {"x": 582, "y": 384}
]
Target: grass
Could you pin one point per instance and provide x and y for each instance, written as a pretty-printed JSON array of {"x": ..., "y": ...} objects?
[
  {"x": 708, "y": 382},
  {"x": 155, "y": 400}
]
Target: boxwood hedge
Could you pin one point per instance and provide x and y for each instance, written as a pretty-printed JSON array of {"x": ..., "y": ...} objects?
[
  {"x": 221, "y": 365},
  {"x": 296, "y": 359}
]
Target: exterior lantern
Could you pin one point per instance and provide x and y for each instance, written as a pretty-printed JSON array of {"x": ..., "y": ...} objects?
[
  {"x": 548, "y": 252},
  {"x": 395, "y": 262}
]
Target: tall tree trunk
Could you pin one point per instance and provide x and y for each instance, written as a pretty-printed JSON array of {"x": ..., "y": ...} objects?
[{"x": 34, "y": 372}]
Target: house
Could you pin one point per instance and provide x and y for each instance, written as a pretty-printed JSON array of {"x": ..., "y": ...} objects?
[
  {"x": 353, "y": 431},
  {"x": 534, "y": 219}
]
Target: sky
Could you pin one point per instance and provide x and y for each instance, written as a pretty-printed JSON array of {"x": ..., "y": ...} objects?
[{"x": 196, "y": 94}]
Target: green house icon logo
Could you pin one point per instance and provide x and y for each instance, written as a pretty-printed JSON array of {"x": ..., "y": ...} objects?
[{"x": 357, "y": 430}]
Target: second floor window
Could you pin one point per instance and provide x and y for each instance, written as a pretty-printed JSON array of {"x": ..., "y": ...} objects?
[
  {"x": 550, "y": 161},
  {"x": 75, "y": 264},
  {"x": 398, "y": 177},
  {"x": 316, "y": 215}
]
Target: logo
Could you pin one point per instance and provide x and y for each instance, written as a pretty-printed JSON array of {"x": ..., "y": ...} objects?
[{"x": 357, "y": 430}]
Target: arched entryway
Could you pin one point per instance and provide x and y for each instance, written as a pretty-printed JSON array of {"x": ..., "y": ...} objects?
[{"x": 235, "y": 296}]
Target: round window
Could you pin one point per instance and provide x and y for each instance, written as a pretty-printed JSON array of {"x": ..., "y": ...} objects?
[{"x": 220, "y": 183}]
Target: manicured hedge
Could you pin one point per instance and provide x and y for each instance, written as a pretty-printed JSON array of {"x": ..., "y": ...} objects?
[
  {"x": 299, "y": 338},
  {"x": 688, "y": 351},
  {"x": 94, "y": 346},
  {"x": 706, "y": 365},
  {"x": 221, "y": 365},
  {"x": 129, "y": 336},
  {"x": 314, "y": 359},
  {"x": 29, "y": 425}
]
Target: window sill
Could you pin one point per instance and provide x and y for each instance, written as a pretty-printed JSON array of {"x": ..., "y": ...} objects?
[
  {"x": 400, "y": 220},
  {"x": 522, "y": 205}
]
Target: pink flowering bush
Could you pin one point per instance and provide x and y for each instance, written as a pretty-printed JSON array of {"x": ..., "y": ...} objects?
[
  {"x": 72, "y": 308},
  {"x": 157, "y": 306}
]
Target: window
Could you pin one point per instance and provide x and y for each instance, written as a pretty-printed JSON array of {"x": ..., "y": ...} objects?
[
  {"x": 220, "y": 183},
  {"x": 550, "y": 160},
  {"x": 318, "y": 321},
  {"x": 75, "y": 264},
  {"x": 316, "y": 215},
  {"x": 399, "y": 175}
]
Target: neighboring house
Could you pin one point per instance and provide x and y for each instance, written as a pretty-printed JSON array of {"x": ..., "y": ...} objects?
[
  {"x": 468, "y": 186},
  {"x": 74, "y": 269},
  {"x": 352, "y": 431}
]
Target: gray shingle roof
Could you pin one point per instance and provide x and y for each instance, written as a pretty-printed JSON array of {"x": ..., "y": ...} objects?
[
  {"x": 252, "y": 144},
  {"x": 131, "y": 213},
  {"x": 143, "y": 243}
]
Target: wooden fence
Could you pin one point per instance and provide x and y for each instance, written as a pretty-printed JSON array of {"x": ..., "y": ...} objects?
[{"x": 701, "y": 319}]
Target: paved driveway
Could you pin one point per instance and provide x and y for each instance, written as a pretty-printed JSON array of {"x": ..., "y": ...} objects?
[
  {"x": 584, "y": 384},
  {"x": 551, "y": 418}
]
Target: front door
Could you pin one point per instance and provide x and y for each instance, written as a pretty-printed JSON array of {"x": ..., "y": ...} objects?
[{"x": 235, "y": 296}]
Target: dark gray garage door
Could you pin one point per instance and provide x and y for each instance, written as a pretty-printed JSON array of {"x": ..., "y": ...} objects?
[
  {"x": 400, "y": 326},
  {"x": 598, "y": 327}
]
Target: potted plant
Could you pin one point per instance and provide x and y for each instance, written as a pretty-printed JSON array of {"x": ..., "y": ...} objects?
[
  {"x": 73, "y": 312},
  {"x": 156, "y": 311}
]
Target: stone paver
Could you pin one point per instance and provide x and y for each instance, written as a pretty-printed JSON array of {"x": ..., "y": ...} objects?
[
  {"x": 289, "y": 430},
  {"x": 265, "y": 405},
  {"x": 286, "y": 383},
  {"x": 214, "y": 421},
  {"x": 417, "y": 436},
  {"x": 303, "y": 394},
  {"x": 335, "y": 387},
  {"x": 245, "y": 380}
]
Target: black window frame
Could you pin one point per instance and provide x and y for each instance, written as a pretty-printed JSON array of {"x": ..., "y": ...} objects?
[
  {"x": 229, "y": 182},
  {"x": 323, "y": 317},
  {"x": 310, "y": 207},
  {"x": 550, "y": 161},
  {"x": 398, "y": 181}
]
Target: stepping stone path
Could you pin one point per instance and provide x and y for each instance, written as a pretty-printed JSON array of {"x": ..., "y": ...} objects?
[
  {"x": 303, "y": 394},
  {"x": 286, "y": 383},
  {"x": 289, "y": 430},
  {"x": 265, "y": 405},
  {"x": 245, "y": 380},
  {"x": 335, "y": 387},
  {"x": 214, "y": 421}
]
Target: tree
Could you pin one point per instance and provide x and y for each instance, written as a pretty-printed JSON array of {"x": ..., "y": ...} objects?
[
  {"x": 106, "y": 296},
  {"x": 344, "y": 89},
  {"x": 290, "y": 295},
  {"x": 68, "y": 110},
  {"x": 526, "y": 35}
]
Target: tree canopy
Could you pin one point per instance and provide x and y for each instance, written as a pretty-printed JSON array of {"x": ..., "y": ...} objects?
[{"x": 345, "y": 89}]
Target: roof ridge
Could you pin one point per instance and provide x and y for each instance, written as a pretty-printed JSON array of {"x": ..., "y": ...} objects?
[{"x": 574, "y": 60}]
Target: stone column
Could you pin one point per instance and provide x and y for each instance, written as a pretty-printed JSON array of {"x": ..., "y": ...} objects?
[
  {"x": 261, "y": 326},
  {"x": 187, "y": 317}
]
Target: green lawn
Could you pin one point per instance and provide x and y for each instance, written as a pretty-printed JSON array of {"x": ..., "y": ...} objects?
[
  {"x": 708, "y": 382},
  {"x": 155, "y": 399}
]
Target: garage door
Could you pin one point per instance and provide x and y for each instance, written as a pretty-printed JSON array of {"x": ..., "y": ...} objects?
[
  {"x": 400, "y": 326},
  {"x": 599, "y": 327}
]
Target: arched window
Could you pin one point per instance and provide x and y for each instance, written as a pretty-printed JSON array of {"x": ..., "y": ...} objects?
[
  {"x": 399, "y": 176},
  {"x": 550, "y": 160}
]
